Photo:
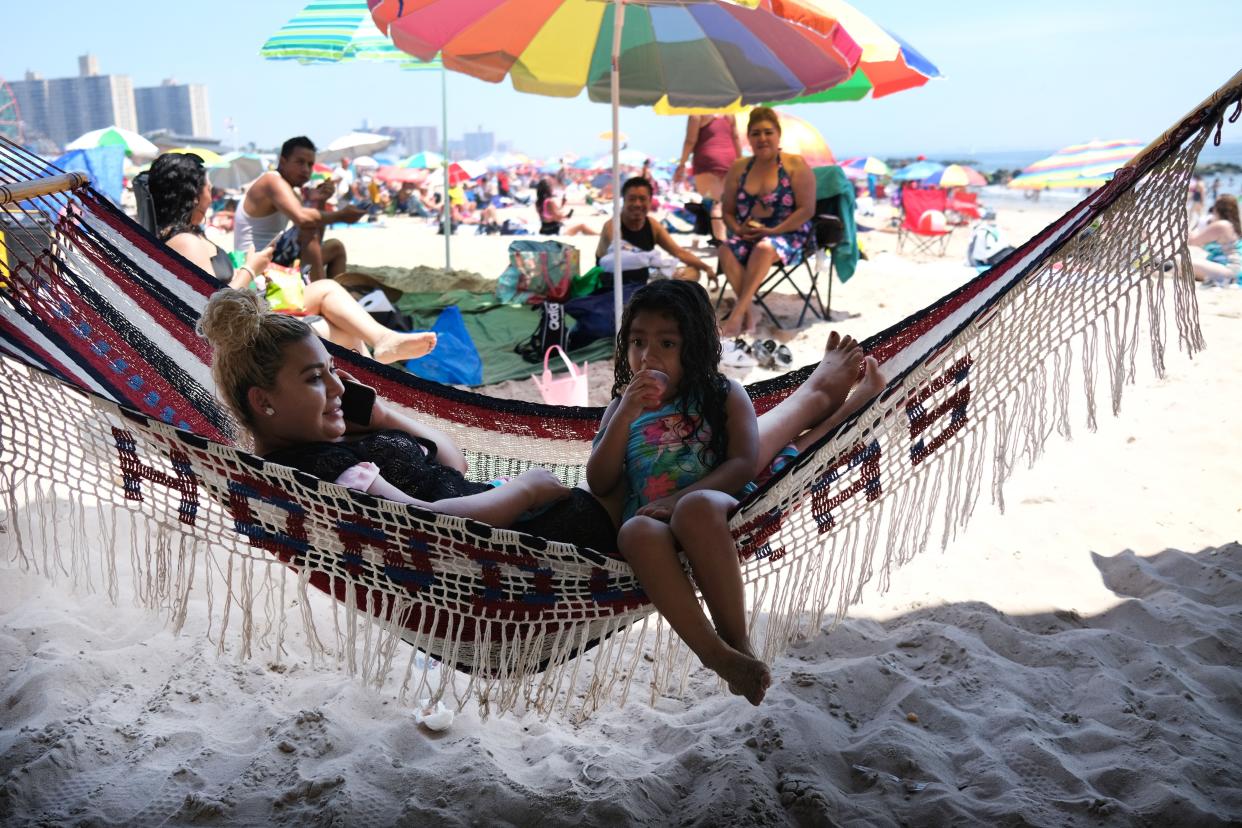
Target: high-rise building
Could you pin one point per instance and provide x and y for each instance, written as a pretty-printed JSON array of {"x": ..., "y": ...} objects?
[
  {"x": 412, "y": 139},
  {"x": 64, "y": 108},
  {"x": 178, "y": 108},
  {"x": 479, "y": 144}
]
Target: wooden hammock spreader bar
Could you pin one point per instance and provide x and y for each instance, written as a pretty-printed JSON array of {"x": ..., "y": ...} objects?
[
  {"x": 12, "y": 193},
  {"x": 1226, "y": 94}
]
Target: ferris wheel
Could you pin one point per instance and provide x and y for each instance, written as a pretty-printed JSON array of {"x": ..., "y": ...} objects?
[{"x": 10, "y": 114}]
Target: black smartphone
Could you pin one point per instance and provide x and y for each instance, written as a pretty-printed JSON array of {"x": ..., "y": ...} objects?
[{"x": 357, "y": 400}]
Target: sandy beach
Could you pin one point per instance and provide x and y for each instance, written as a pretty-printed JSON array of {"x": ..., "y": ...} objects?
[{"x": 1074, "y": 661}]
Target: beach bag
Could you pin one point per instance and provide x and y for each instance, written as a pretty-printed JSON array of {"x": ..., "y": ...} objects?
[
  {"x": 285, "y": 291},
  {"x": 570, "y": 389},
  {"x": 455, "y": 360},
  {"x": 551, "y": 332},
  {"x": 538, "y": 270},
  {"x": 593, "y": 315}
]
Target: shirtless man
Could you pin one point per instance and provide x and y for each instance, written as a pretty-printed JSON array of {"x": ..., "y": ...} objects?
[
  {"x": 272, "y": 202},
  {"x": 638, "y": 229}
]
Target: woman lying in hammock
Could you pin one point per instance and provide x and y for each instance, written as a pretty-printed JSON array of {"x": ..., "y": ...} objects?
[
  {"x": 281, "y": 384},
  {"x": 181, "y": 195}
]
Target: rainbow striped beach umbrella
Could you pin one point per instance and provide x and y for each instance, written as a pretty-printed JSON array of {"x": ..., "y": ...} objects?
[
  {"x": 331, "y": 31},
  {"x": 888, "y": 64},
  {"x": 701, "y": 53},
  {"x": 1082, "y": 165},
  {"x": 687, "y": 53},
  {"x": 955, "y": 175},
  {"x": 864, "y": 166}
]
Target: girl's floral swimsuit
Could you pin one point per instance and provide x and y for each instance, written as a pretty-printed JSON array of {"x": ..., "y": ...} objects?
[
  {"x": 661, "y": 457},
  {"x": 789, "y": 246}
]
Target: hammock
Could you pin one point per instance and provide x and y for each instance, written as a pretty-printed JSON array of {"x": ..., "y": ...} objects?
[{"x": 105, "y": 393}]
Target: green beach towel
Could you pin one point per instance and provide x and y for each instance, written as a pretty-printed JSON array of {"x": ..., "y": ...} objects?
[
  {"x": 495, "y": 327},
  {"x": 831, "y": 183}
]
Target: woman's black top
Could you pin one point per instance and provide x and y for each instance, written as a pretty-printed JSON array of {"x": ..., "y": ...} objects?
[
  {"x": 409, "y": 463},
  {"x": 222, "y": 265}
]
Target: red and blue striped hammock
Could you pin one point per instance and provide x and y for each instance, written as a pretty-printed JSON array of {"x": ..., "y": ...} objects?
[{"x": 106, "y": 398}]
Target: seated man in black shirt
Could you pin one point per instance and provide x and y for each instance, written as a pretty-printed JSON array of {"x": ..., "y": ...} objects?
[
  {"x": 594, "y": 315},
  {"x": 638, "y": 229}
]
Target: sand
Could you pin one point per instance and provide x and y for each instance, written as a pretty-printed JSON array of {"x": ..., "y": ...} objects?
[{"x": 1075, "y": 661}]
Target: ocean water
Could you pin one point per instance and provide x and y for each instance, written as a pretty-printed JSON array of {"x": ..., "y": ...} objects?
[{"x": 1230, "y": 152}]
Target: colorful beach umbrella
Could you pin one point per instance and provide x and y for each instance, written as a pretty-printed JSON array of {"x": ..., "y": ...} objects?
[
  {"x": 401, "y": 175},
  {"x": 460, "y": 171},
  {"x": 799, "y": 137},
  {"x": 134, "y": 144},
  {"x": 955, "y": 175},
  {"x": 863, "y": 166},
  {"x": 425, "y": 160},
  {"x": 336, "y": 31},
  {"x": 1081, "y": 165},
  {"x": 331, "y": 31},
  {"x": 209, "y": 158},
  {"x": 888, "y": 64},
  {"x": 917, "y": 171},
  {"x": 708, "y": 53}
]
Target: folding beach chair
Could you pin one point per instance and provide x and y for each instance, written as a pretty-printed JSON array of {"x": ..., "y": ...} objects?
[
  {"x": 827, "y": 231},
  {"x": 923, "y": 222},
  {"x": 963, "y": 207}
]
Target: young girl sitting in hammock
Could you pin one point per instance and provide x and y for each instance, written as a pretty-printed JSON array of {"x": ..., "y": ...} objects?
[{"x": 680, "y": 440}]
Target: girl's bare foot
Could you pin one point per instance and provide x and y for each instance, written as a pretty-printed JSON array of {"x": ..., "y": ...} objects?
[
  {"x": 744, "y": 674},
  {"x": 872, "y": 381},
  {"x": 398, "y": 347},
  {"x": 838, "y": 370}
]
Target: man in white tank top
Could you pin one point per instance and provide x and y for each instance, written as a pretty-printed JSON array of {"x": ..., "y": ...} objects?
[{"x": 273, "y": 201}]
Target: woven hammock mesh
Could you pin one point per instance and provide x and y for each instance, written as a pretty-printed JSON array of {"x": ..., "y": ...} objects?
[{"x": 105, "y": 401}]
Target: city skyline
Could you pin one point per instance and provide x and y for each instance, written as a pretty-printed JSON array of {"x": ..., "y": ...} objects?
[{"x": 1015, "y": 79}]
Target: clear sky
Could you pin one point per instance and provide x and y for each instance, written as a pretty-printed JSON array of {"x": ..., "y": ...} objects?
[{"x": 1018, "y": 76}]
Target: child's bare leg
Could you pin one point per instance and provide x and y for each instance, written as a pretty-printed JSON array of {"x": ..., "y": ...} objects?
[
  {"x": 700, "y": 524},
  {"x": 647, "y": 544},
  {"x": 872, "y": 383},
  {"x": 824, "y": 391}
]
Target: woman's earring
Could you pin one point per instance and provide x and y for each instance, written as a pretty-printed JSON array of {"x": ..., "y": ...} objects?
[{"x": 268, "y": 410}]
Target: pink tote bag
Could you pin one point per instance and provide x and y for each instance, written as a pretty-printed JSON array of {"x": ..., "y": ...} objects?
[{"x": 569, "y": 389}]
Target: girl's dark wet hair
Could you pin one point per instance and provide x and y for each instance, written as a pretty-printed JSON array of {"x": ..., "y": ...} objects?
[
  {"x": 702, "y": 385},
  {"x": 175, "y": 181}
]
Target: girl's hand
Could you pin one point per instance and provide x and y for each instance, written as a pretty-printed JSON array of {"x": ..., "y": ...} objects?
[
  {"x": 542, "y": 485},
  {"x": 643, "y": 392},
  {"x": 660, "y": 508}
]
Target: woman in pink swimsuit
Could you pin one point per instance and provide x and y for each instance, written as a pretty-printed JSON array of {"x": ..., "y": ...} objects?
[{"x": 714, "y": 141}]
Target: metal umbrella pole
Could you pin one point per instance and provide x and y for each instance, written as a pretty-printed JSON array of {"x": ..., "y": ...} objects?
[
  {"x": 447, "y": 206},
  {"x": 617, "y": 25}
]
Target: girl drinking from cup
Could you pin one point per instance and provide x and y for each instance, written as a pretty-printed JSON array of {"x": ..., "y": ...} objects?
[{"x": 682, "y": 440}]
